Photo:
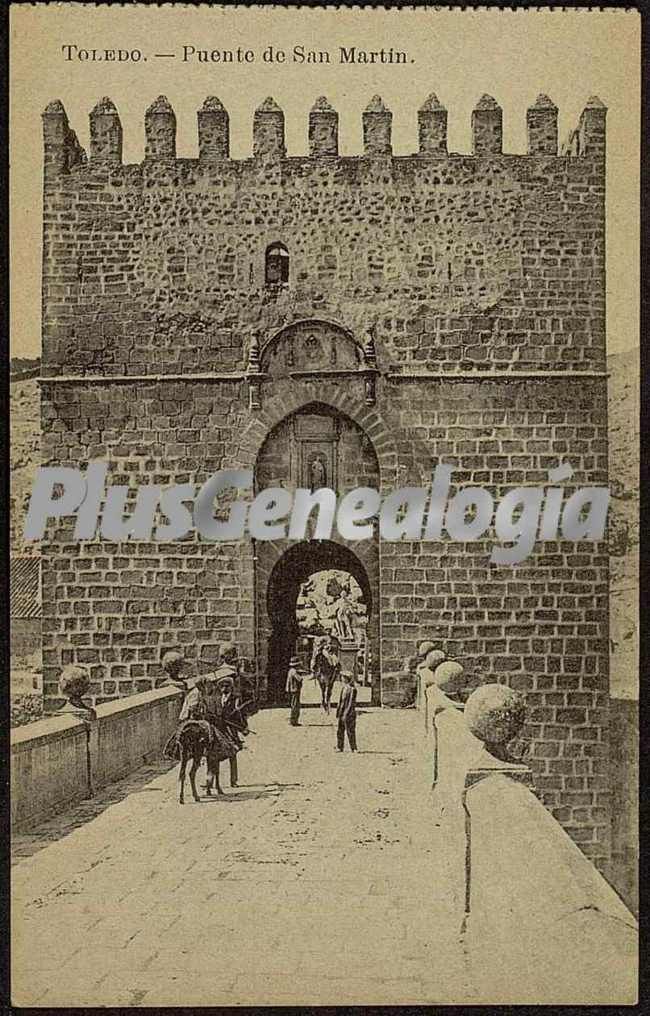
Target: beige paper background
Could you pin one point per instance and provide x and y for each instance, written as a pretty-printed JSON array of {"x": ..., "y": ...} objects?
[{"x": 512, "y": 55}]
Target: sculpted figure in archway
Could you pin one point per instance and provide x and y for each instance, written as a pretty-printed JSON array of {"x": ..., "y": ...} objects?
[
  {"x": 317, "y": 473},
  {"x": 344, "y": 616}
]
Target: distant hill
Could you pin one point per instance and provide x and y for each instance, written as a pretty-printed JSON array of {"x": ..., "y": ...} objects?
[{"x": 21, "y": 368}]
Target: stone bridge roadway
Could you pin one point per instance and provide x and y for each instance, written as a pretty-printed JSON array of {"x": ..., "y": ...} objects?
[{"x": 322, "y": 880}]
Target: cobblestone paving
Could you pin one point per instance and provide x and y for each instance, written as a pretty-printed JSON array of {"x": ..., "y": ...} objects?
[{"x": 322, "y": 879}]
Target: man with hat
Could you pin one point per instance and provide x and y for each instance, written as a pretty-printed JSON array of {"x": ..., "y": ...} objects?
[
  {"x": 232, "y": 719},
  {"x": 293, "y": 688},
  {"x": 228, "y": 665}
]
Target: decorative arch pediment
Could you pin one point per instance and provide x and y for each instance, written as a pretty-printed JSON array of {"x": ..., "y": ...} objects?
[
  {"x": 308, "y": 348},
  {"x": 311, "y": 345}
]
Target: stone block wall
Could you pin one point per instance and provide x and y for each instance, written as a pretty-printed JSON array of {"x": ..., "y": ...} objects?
[
  {"x": 459, "y": 262},
  {"x": 481, "y": 282}
]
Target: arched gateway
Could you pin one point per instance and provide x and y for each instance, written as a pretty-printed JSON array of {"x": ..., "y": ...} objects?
[
  {"x": 440, "y": 344},
  {"x": 317, "y": 441},
  {"x": 279, "y": 631}
]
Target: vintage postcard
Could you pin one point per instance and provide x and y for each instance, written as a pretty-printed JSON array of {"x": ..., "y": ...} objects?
[{"x": 324, "y": 505}]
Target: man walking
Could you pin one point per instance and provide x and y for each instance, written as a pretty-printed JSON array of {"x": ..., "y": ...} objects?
[
  {"x": 293, "y": 688},
  {"x": 346, "y": 713}
]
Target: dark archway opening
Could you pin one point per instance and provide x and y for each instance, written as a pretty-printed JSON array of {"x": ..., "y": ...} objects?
[{"x": 295, "y": 566}]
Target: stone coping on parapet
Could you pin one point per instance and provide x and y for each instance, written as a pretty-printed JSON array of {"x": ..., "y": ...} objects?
[
  {"x": 50, "y": 728},
  {"x": 390, "y": 375}
]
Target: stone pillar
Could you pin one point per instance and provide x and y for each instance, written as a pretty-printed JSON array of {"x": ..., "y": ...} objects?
[
  {"x": 214, "y": 131},
  {"x": 323, "y": 129},
  {"x": 432, "y": 127},
  {"x": 541, "y": 123},
  {"x": 105, "y": 133},
  {"x": 268, "y": 131},
  {"x": 591, "y": 128},
  {"x": 160, "y": 130},
  {"x": 55, "y": 134},
  {"x": 487, "y": 127},
  {"x": 377, "y": 126}
]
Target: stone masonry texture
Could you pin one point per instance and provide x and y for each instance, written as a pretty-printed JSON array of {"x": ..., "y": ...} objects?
[{"x": 477, "y": 282}]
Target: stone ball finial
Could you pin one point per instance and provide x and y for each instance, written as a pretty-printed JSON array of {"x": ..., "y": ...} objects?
[
  {"x": 228, "y": 653},
  {"x": 495, "y": 713},
  {"x": 74, "y": 682},
  {"x": 425, "y": 647},
  {"x": 448, "y": 676},
  {"x": 434, "y": 658}
]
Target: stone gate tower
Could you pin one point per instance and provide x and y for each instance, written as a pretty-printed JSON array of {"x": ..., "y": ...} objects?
[{"x": 379, "y": 314}]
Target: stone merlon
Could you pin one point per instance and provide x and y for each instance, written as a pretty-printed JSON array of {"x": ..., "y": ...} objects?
[
  {"x": 214, "y": 130},
  {"x": 105, "y": 132},
  {"x": 592, "y": 128},
  {"x": 377, "y": 126},
  {"x": 487, "y": 127},
  {"x": 268, "y": 131},
  {"x": 323, "y": 129},
  {"x": 432, "y": 127},
  {"x": 62, "y": 152},
  {"x": 541, "y": 124},
  {"x": 160, "y": 130}
]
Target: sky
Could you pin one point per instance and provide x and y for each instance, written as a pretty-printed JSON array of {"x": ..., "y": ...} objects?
[{"x": 460, "y": 54}]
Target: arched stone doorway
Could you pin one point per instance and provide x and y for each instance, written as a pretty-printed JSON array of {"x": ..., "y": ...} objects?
[
  {"x": 316, "y": 432},
  {"x": 297, "y": 564}
]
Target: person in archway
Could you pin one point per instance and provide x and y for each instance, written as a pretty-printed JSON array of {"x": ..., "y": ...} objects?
[
  {"x": 294, "y": 688},
  {"x": 346, "y": 714},
  {"x": 326, "y": 667}
]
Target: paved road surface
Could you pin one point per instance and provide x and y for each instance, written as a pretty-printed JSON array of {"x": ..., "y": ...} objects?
[{"x": 321, "y": 880}]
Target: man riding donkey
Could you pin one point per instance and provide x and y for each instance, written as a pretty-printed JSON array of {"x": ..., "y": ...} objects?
[
  {"x": 202, "y": 730},
  {"x": 326, "y": 666}
]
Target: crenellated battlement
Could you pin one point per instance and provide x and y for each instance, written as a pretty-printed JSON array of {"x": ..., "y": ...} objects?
[{"x": 63, "y": 151}]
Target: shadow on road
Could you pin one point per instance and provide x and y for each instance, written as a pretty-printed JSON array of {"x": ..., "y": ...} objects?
[
  {"x": 29, "y": 843},
  {"x": 229, "y": 796}
]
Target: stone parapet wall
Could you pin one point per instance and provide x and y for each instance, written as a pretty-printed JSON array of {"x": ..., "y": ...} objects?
[
  {"x": 540, "y": 920},
  {"x": 63, "y": 759},
  {"x": 49, "y": 768}
]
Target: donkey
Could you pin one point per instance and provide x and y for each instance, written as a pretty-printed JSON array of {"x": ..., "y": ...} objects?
[{"x": 194, "y": 740}]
